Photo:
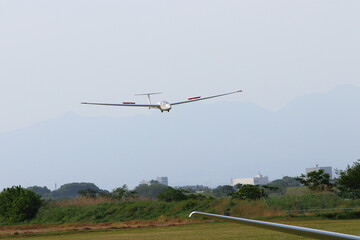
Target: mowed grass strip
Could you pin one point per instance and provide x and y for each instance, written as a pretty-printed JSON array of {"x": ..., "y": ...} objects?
[{"x": 209, "y": 231}]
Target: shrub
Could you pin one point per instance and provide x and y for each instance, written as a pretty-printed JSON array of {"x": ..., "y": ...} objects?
[
  {"x": 18, "y": 204},
  {"x": 348, "y": 181},
  {"x": 42, "y": 191},
  {"x": 317, "y": 181},
  {"x": 248, "y": 191},
  {"x": 122, "y": 193},
  {"x": 172, "y": 195}
]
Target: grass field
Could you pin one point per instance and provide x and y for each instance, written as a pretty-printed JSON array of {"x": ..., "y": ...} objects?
[{"x": 204, "y": 231}]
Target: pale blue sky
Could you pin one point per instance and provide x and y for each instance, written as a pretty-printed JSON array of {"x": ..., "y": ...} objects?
[{"x": 55, "y": 54}]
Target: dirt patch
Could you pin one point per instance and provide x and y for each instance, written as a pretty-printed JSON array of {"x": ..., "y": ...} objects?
[{"x": 44, "y": 229}]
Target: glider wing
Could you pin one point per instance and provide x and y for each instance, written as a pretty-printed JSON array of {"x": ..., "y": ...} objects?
[
  {"x": 195, "y": 99},
  {"x": 301, "y": 231},
  {"x": 125, "y": 104}
]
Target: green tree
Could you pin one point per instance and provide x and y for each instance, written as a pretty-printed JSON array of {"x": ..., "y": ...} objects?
[
  {"x": 284, "y": 183},
  {"x": 122, "y": 193},
  {"x": 198, "y": 191},
  {"x": 247, "y": 191},
  {"x": 71, "y": 190},
  {"x": 197, "y": 196},
  {"x": 173, "y": 195},
  {"x": 149, "y": 191},
  {"x": 348, "y": 181},
  {"x": 223, "y": 191},
  {"x": 154, "y": 182},
  {"x": 42, "y": 191},
  {"x": 316, "y": 181},
  {"x": 197, "y": 188},
  {"x": 18, "y": 204},
  {"x": 89, "y": 193}
]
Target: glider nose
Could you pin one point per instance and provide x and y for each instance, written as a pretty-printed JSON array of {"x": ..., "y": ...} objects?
[{"x": 165, "y": 106}]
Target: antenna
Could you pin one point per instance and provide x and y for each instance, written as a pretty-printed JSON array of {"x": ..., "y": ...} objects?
[{"x": 148, "y": 95}]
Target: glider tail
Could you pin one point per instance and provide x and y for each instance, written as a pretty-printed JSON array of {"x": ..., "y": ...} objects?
[{"x": 148, "y": 95}]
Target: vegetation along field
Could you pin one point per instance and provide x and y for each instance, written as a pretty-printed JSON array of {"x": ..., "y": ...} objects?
[{"x": 80, "y": 210}]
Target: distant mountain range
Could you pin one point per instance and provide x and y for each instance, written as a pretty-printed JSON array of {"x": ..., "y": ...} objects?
[{"x": 200, "y": 143}]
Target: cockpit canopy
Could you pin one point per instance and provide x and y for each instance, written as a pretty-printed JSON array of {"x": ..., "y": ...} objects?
[{"x": 163, "y": 103}]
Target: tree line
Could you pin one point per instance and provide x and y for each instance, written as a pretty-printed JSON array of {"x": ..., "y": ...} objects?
[{"x": 18, "y": 204}]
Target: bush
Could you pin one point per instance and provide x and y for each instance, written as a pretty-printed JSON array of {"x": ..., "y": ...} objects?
[
  {"x": 223, "y": 191},
  {"x": 348, "y": 181},
  {"x": 172, "y": 195},
  {"x": 248, "y": 191},
  {"x": 18, "y": 204},
  {"x": 122, "y": 193},
  {"x": 149, "y": 191},
  {"x": 317, "y": 181}
]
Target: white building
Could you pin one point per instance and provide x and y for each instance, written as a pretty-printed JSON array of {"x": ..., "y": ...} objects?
[
  {"x": 327, "y": 170},
  {"x": 162, "y": 180},
  {"x": 257, "y": 180}
]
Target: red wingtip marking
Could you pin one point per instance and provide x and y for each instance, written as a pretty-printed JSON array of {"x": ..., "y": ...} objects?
[{"x": 194, "y": 98}]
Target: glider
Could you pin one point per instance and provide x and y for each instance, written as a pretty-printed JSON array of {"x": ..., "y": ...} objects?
[
  {"x": 301, "y": 231},
  {"x": 163, "y": 105}
]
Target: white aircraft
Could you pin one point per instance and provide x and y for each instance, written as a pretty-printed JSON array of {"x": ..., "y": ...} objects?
[
  {"x": 301, "y": 231},
  {"x": 163, "y": 105}
]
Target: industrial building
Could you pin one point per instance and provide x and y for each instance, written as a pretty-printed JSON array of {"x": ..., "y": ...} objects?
[
  {"x": 257, "y": 180},
  {"x": 162, "y": 180},
  {"x": 327, "y": 170}
]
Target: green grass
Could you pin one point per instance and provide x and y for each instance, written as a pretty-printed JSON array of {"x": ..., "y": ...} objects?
[
  {"x": 310, "y": 201},
  {"x": 94, "y": 211},
  {"x": 297, "y": 190},
  {"x": 209, "y": 231},
  {"x": 56, "y": 213},
  {"x": 117, "y": 211}
]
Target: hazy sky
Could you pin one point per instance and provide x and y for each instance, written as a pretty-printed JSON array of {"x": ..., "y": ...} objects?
[{"x": 55, "y": 54}]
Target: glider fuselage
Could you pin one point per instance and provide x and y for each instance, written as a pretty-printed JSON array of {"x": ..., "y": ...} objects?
[{"x": 165, "y": 106}]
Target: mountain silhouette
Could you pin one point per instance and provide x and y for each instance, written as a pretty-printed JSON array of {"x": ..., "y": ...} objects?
[{"x": 200, "y": 143}]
